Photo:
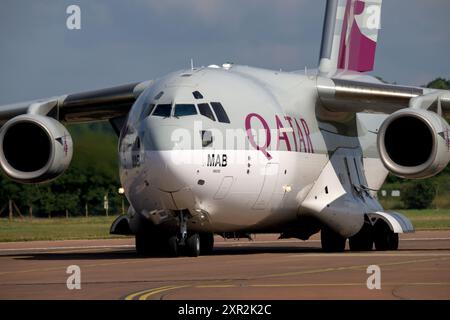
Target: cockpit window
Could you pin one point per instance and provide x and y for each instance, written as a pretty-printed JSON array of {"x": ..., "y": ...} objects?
[
  {"x": 182, "y": 110},
  {"x": 220, "y": 112},
  {"x": 197, "y": 95},
  {"x": 205, "y": 110},
  {"x": 147, "y": 110},
  {"x": 159, "y": 95},
  {"x": 162, "y": 110}
]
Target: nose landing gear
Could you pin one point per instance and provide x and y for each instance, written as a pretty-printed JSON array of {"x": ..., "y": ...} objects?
[
  {"x": 152, "y": 241},
  {"x": 190, "y": 244}
]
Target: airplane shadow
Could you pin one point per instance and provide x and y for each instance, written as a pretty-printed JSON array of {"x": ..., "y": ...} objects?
[
  {"x": 131, "y": 253},
  {"x": 219, "y": 251}
]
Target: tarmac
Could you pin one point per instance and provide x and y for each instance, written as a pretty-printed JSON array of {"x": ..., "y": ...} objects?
[{"x": 262, "y": 269}]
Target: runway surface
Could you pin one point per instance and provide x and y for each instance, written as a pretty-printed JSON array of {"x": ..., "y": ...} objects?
[{"x": 265, "y": 269}]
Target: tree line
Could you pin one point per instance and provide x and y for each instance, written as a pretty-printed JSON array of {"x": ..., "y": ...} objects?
[
  {"x": 81, "y": 189},
  {"x": 94, "y": 174}
]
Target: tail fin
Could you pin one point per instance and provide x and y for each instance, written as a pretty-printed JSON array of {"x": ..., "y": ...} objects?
[{"x": 350, "y": 35}]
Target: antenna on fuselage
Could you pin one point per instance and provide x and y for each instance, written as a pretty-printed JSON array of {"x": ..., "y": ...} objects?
[{"x": 192, "y": 64}]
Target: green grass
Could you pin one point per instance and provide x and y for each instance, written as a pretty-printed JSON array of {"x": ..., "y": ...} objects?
[
  {"x": 55, "y": 228},
  {"x": 429, "y": 219},
  {"x": 98, "y": 227},
  {"x": 391, "y": 203}
]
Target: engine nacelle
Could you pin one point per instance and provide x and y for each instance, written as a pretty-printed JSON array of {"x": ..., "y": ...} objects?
[
  {"x": 34, "y": 148},
  {"x": 414, "y": 144}
]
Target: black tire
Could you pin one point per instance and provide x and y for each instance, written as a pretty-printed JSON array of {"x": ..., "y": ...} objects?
[
  {"x": 385, "y": 239},
  {"x": 193, "y": 245},
  {"x": 173, "y": 246},
  {"x": 331, "y": 241},
  {"x": 363, "y": 240},
  {"x": 206, "y": 243},
  {"x": 141, "y": 244},
  {"x": 146, "y": 244}
]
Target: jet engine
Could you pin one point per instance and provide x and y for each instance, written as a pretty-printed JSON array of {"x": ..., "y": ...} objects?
[
  {"x": 414, "y": 144},
  {"x": 34, "y": 148}
]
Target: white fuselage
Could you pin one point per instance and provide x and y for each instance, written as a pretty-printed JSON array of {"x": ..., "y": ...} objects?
[{"x": 258, "y": 169}]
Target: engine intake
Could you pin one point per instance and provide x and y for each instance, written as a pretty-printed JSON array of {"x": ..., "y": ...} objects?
[
  {"x": 414, "y": 144},
  {"x": 34, "y": 148}
]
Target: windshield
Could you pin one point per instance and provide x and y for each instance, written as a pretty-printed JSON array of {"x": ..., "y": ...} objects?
[
  {"x": 182, "y": 110},
  {"x": 163, "y": 110}
]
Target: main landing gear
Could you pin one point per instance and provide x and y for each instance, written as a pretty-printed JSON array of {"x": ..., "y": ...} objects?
[
  {"x": 380, "y": 234},
  {"x": 363, "y": 240},
  {"x": 332, "y": 241},
  {"x": 176, "y": 243},
  {"x": 384, "y": 238}
]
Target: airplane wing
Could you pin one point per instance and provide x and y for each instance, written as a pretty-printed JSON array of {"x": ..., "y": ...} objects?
[
  {"x": 342, "y": 95},
  {"x": 98, "y": 105}
]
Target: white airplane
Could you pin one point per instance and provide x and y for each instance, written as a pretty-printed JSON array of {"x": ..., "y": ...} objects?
[{"x": 235, "y": 150}]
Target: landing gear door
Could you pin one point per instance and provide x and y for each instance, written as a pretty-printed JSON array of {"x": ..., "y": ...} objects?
[{"x": 268, "y": 186}]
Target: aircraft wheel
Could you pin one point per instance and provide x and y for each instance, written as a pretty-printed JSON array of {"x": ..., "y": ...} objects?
[
  {"x": 193, "y": 245},
  {"x": 146, "y": 244},
  {"x": 173, "y": 246},
  {"x": 142, "y": 244},
  {"x": 206, "y": 243},
  {"x": 363, "y": 240},
  {"x": 385, "y": 238},
  {"x": 331, "y": 241}
]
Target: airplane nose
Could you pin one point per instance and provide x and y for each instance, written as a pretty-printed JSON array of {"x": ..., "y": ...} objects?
[
  {"x": 166, "y": 171},
  {"x": 172, "y": 181}
]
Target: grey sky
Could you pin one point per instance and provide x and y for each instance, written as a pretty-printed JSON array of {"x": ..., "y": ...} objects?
[{"x": 127, "y": 41}]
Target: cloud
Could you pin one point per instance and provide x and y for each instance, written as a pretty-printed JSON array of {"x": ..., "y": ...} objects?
[{"x": 125, "y": 41}]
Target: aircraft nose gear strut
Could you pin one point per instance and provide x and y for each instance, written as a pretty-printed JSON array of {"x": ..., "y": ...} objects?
[
  {"x": 188, "y": 243},
  {"x": 183, "y": 228}
]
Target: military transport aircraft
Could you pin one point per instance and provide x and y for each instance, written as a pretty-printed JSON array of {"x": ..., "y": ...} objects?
[{"x": 235, "y": 150}]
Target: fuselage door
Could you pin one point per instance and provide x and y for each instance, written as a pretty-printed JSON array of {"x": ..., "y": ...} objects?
[{"x": 268, "y": 186}]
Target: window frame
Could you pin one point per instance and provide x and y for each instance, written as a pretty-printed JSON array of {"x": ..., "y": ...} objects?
[
  {"x": 162, "y": 104},
  {"x": 227, "y": 120},
  {"x": 158, "y": 95},
  {"x": 214, "y": 118},
  {"x": 184, "y": 104},
  {"x": 197, "y": 95},
  {"x": 147, "y": 110}
]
